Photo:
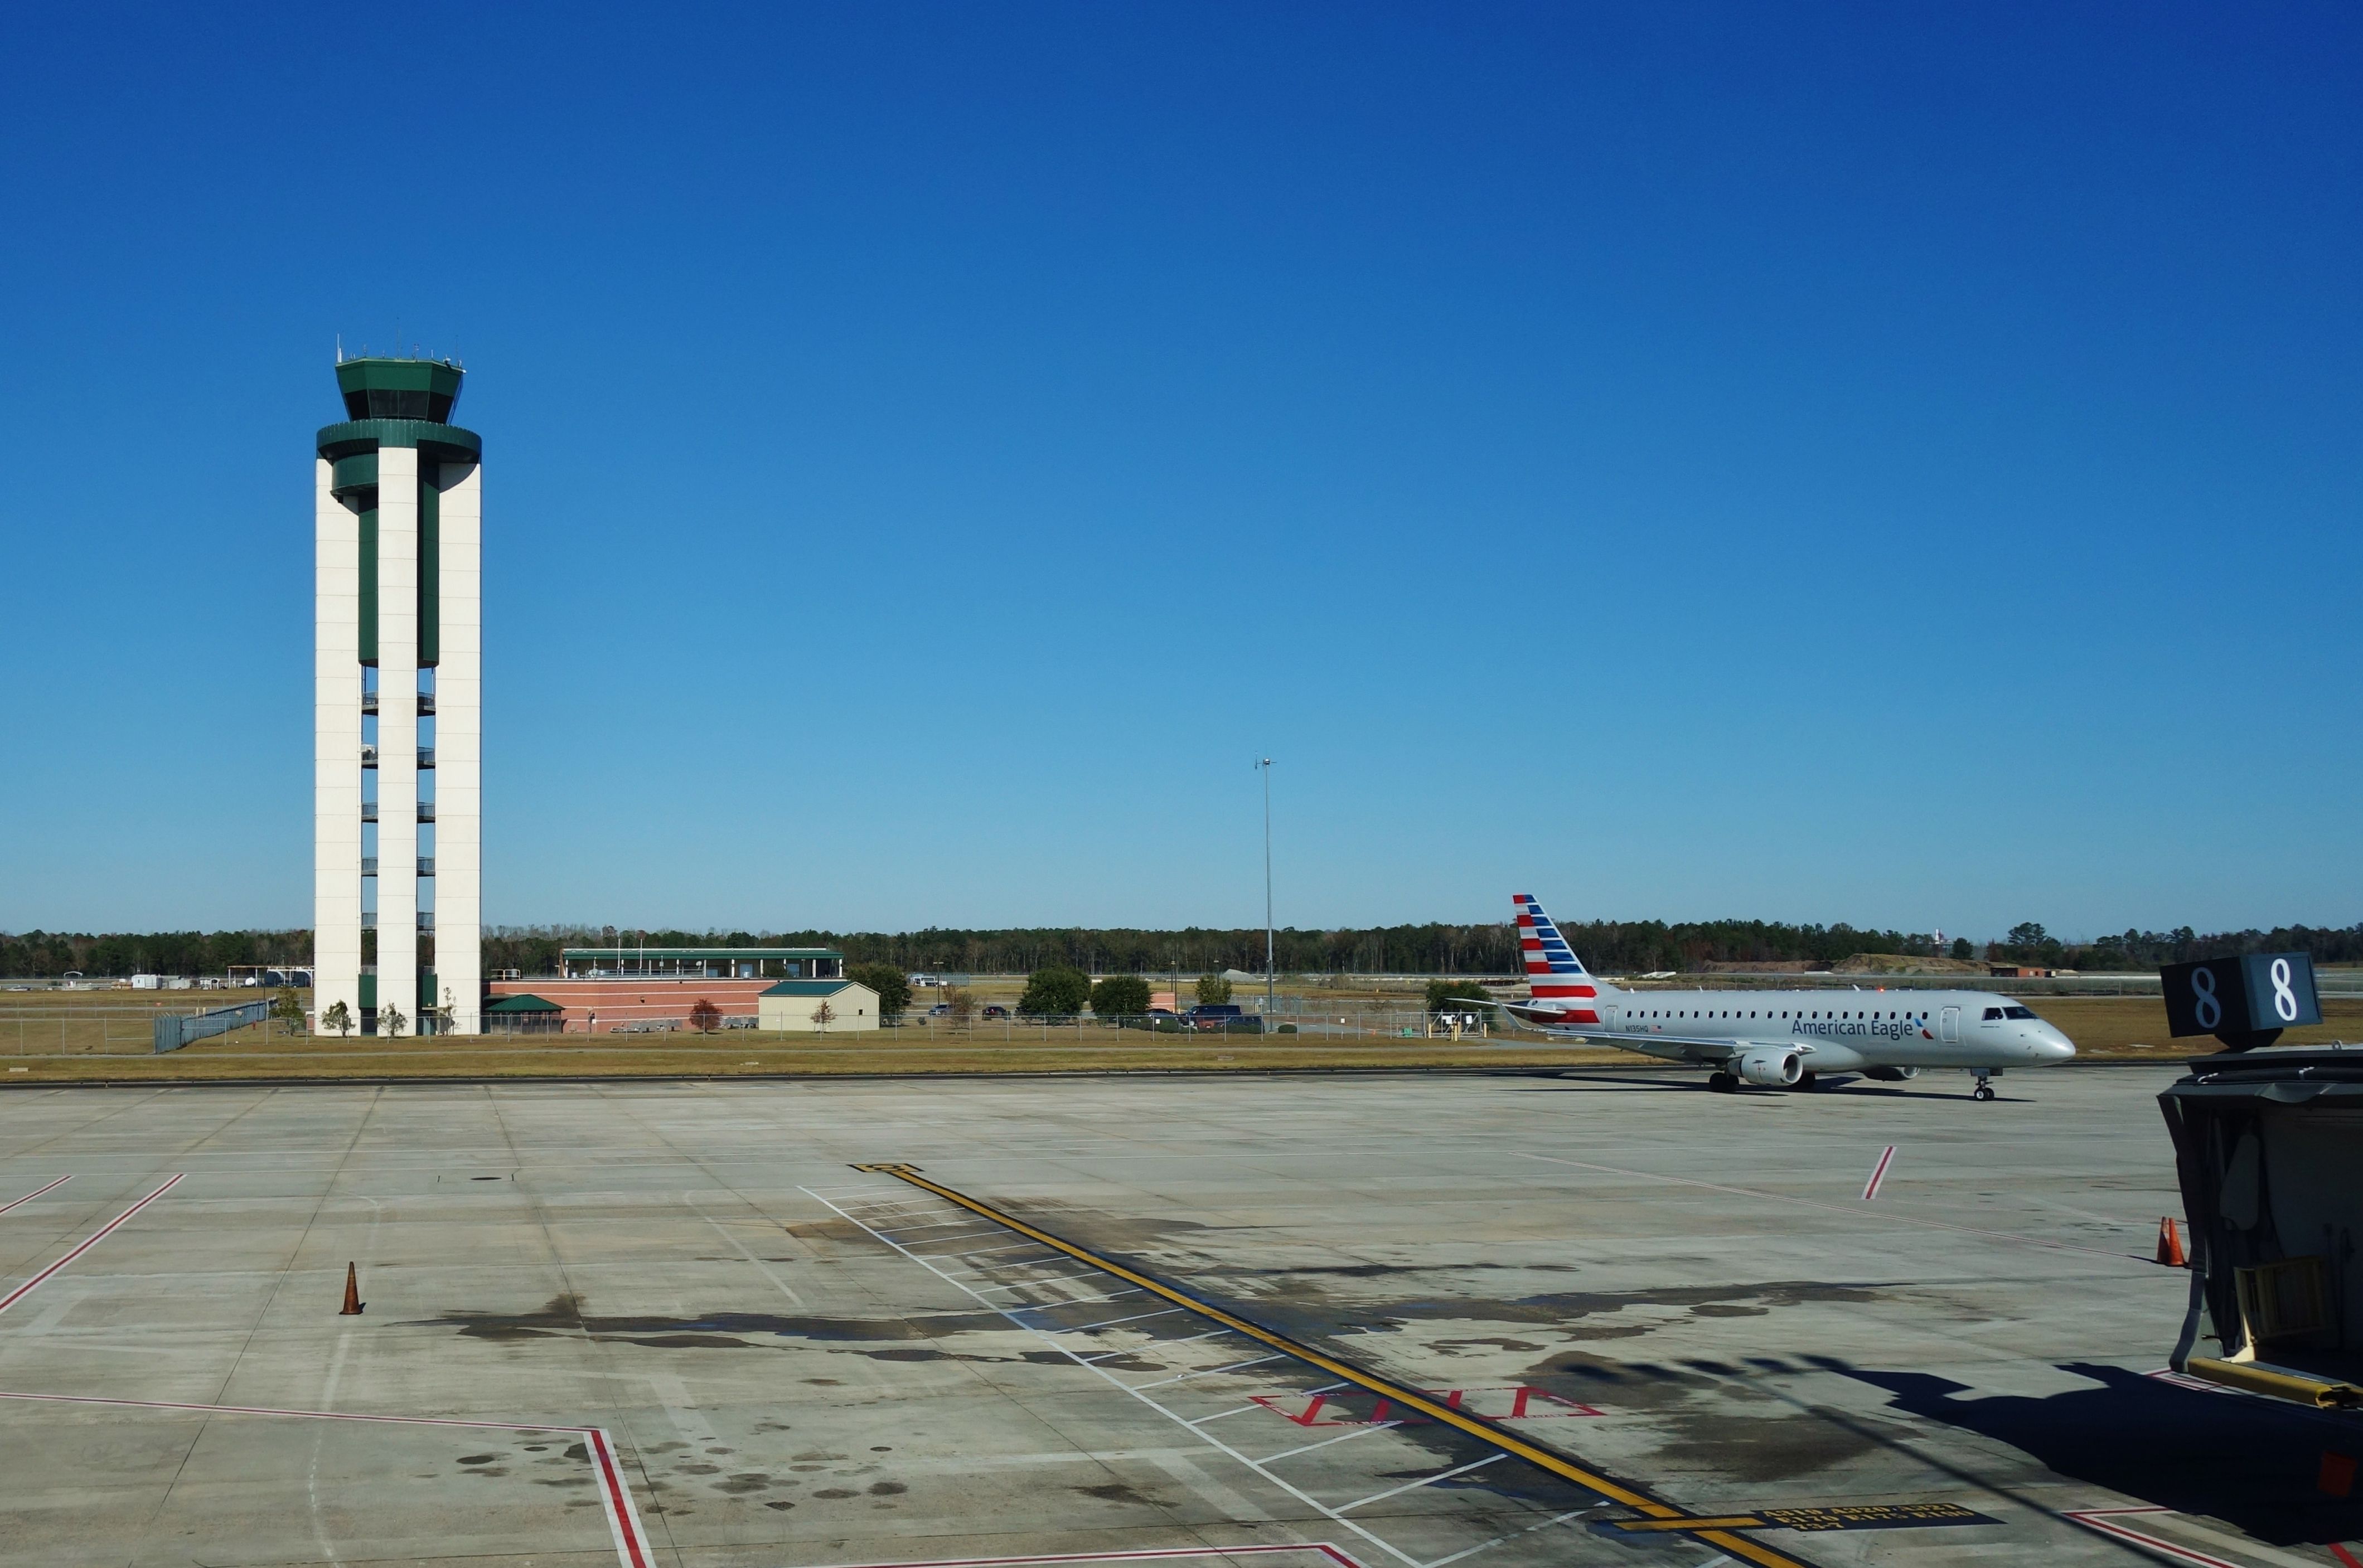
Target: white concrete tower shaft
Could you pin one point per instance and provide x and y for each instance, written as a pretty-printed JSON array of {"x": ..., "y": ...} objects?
[{"x": 399, "y": 536}]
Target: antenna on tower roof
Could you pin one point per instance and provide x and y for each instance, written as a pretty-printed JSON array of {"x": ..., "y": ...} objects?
[{"x": 340, "y": 348}]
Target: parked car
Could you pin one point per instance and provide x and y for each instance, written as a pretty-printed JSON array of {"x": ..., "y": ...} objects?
[
  {"x": 941, "y": 1010},
  {"x": 996, "y": 1012},
  {"x": 1226, "y": 1016}
]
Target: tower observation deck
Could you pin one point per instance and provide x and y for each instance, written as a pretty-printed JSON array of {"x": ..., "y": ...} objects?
[{"x": 397, "y": 672}]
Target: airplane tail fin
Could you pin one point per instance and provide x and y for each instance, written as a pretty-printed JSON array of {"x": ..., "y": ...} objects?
[{"x": 1552, "y": 967}]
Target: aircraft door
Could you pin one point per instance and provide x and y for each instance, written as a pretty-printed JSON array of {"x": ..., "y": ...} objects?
[{"x": 1948, "y": 1026}]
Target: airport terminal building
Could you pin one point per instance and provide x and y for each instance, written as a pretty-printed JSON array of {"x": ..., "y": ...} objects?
[{"x": 397, "y": 680}]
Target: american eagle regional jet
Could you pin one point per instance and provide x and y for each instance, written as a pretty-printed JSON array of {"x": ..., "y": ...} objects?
[{"x": 1778, "y": 1038}]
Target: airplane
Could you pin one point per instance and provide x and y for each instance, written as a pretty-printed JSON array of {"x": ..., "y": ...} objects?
[{"x": 1778, "y": 1038}]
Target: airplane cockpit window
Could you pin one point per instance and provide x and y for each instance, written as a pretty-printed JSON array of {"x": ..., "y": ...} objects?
[
  {"x": 2018, "y": 1013},
  {"x": 1992, "y": 1014}
]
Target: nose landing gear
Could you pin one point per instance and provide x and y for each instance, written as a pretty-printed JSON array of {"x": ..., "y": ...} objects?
[{"x": 1985, "y": 1088}]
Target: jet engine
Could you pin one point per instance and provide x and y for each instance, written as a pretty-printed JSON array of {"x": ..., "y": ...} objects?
[{"x": 1769, "y": 1068}]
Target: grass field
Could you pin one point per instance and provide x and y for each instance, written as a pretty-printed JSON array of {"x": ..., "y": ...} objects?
[{"x": 86, "y": 1035}]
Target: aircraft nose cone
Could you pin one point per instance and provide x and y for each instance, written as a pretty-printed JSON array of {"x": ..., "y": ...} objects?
[{"x": 2057, "y": 1047}]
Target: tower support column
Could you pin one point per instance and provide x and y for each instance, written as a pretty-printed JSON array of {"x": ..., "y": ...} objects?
[
  {"x": 458, "y": 750},
  {"x": 336, "y": 759}
]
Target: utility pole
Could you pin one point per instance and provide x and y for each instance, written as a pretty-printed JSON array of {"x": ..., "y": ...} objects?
[{"x": 1269, "y": 1006}]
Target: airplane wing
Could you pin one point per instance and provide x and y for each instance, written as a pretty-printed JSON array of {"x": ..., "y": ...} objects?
[{"x": 1556, "y": 1021}]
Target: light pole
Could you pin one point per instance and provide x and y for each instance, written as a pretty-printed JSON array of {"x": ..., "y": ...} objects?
[{"x": 1265, "y": 766}]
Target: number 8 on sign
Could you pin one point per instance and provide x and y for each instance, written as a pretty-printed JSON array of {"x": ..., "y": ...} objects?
[
  {"x": 2284, "y": 999},
  {"x": 2204, "y": 1005}
]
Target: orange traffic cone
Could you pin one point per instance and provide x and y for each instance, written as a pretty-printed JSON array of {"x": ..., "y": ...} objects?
[
  {"x": 2170, "y": 1245},
  {"x": 352, "y": 1307}
]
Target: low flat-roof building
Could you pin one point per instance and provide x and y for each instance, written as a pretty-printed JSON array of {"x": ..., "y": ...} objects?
[
  {"x": 706, "y": 962},
  {"x": 796, "y": 1007}
]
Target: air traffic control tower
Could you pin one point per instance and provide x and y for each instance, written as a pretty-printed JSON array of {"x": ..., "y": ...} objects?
[{"x": 398, "y": 848}]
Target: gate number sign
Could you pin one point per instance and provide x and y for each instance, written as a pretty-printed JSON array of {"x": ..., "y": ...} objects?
[{"x": 2262, "y": 993}]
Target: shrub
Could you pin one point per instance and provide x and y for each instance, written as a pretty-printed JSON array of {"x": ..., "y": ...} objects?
[
  {"x": 705, "y": 1018},
  {"x": 1120, "y": 996},
  {"x": 893, "y": 986},
  {"x": 1055, "y": 992}
]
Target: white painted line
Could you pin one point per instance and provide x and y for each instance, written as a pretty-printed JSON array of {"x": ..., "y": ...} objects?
[
  {"x": 988, "y": 1251},
  {"x": 2102, "y": 1520},
  {"x": 1530, "y": 1530},
  {"x": 615, "y": 1497},
  {"x": 1891, "y": 1217},
  {"x": 1210, "y": 1372},
  {"x": 1022, "y": 1283},
  {"x": 35, "y": 1193},
  {"x": 1193, "y": 1339},
  {"x": 1111, "y": 1323},
  {"x": 1324, "y": 1443},
  {"x": 1281, "y": 1482},
  {"x": 1076, "y": 1301},
  {"x": 1178, "y": 1554},
  {"x": 1234, "y": 1410},
  {"x": 1878, "y": 1174},
  {"x": 1415, "y": 1486},
  {"x": 26, "y": 1289}
]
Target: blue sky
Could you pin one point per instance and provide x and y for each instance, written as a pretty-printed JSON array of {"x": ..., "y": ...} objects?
[{"x": 1873, "y": 463}]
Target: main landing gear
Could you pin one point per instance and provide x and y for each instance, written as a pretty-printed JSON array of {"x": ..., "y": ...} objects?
[
  {"x": 1985, "y": 1088},
  {"x": 1723, "y": 1083}
]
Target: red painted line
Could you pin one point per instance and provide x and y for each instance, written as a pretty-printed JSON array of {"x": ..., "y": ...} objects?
[
  {"x": 34, "y": 1194},
  {"x": 2344, "y": 1556},
  {"x": 615, "y": 1497},
  {"x": 631, "y": 1545},
  {"x": 1178, "y": 1554},
  {"x": 1870, "y": 1188},
  {"x": 26, "y": 1289},
  {"x": 2100, "y": 1520},
  {"x": 1811, "y": 1203},
  {"x": 305, "y": 1415}
]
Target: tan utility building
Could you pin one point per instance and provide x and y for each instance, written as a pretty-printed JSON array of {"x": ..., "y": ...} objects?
[{"x": 794, "y": 1007}]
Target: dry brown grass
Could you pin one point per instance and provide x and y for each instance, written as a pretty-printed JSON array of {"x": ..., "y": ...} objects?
[
  {"x": 2135, "y": 1026},
  {"x": 87, "y": 1036}
]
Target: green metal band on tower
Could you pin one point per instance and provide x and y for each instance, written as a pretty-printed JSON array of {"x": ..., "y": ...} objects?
[{"x": 397, "y": 403}]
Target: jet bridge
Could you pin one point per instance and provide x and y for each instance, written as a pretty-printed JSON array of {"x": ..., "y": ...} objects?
[{"x": 2269, "y": 1148}]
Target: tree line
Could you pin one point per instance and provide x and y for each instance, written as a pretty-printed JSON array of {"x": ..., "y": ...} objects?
[{"x": 1612, "y": 947}]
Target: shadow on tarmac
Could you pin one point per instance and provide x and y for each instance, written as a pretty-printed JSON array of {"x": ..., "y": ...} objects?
[
  {"x": 2248, "y": 1461},
  {"x": 1667, "y": 1083}
]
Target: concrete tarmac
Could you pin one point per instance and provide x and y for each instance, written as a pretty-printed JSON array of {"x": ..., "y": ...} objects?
[{"x": 670, "y": 1324}]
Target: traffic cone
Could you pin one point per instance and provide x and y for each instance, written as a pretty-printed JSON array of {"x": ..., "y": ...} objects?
[
  {"x": 352, "y": 1307},
  {"x": 2170, "y": 1245}
]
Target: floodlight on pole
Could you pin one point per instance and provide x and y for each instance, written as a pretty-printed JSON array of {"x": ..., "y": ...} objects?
[{"x": 1269, "y": 1005}]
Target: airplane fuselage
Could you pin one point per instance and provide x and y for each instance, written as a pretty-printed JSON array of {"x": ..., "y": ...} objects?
[{"x": 1831, "y": 1030}]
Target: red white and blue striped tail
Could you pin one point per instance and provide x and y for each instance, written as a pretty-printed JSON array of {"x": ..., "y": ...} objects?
[{"x": 1552, "y": 967}]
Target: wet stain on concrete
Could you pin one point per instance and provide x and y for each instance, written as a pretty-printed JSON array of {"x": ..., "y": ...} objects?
[
  {"x": 1561, "y": 1307},
  {"x": 562, "y": 1317},
  {"x": 835, "y": 1493},
  {"x": 739, "y": 1486},
  {"x": 1710, "y": 1415},
  {"x": 1116, "y": 1492}
]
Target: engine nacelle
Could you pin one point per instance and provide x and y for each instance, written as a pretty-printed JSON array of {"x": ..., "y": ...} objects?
[{"x": 1769, "y": 1068}]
